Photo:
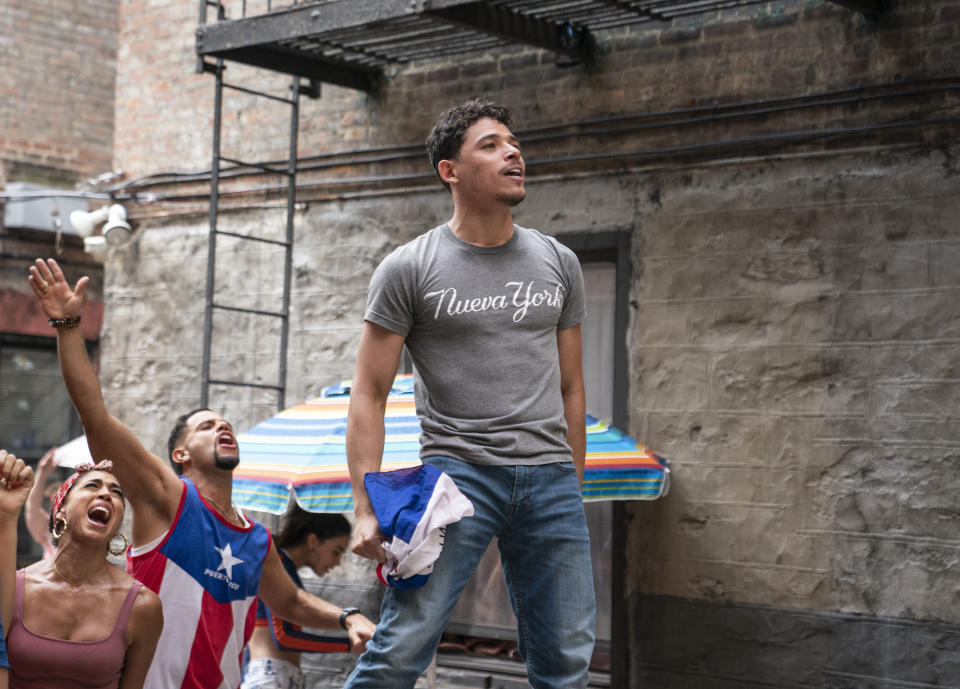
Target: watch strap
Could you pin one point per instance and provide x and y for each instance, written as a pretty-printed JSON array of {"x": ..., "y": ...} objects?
[{"x": 345, "y": 613}]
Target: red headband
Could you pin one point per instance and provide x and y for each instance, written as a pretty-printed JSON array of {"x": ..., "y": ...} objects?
[{"x": 105, "y": 465}]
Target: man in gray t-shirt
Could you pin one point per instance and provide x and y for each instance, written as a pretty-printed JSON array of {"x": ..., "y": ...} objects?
[{"x": 490, "y": 313}]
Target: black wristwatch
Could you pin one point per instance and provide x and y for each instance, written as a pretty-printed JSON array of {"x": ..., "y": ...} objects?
[{"x": 345, "y": 613}]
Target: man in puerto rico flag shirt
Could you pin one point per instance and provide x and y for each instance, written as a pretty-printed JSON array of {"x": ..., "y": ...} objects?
[{"x": 191, "y": 545}]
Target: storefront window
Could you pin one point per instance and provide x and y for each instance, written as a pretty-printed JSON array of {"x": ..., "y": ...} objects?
[{"x": 35, "y": 411}]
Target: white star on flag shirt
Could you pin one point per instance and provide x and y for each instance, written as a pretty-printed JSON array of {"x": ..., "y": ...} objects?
[{"x": 227, "y": 560}]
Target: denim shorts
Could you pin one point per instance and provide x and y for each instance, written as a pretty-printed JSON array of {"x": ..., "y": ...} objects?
[{"x": 271, "y": 673}]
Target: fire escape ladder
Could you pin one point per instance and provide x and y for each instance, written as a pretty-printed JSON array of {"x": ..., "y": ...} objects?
[{"x": 213, "y": 305}]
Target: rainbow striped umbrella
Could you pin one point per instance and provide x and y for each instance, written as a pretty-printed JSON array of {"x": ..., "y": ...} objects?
[
  {"x": 620, "y": 468},
  {"x": 303, "y": 449}
]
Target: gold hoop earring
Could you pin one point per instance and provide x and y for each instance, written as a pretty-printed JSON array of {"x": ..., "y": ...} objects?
[
  {"x": 59, "y": 527},
  {"x": 123, "y": 549}
]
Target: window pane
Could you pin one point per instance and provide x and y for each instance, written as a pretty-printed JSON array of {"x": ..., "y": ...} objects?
[
  {"x": 35, "y": 414},
  {"x": 600, "y": 288},
  {"x": 35, "y": 411}
]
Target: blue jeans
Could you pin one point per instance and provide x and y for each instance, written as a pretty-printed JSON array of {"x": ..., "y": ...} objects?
[{"x": 537, "y": 513}]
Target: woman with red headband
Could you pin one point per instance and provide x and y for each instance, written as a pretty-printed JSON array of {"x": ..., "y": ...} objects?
[{"x": 77, "y": 620}]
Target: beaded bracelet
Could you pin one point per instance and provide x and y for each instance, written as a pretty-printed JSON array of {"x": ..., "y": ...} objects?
[{"x": 65, "y": 322}]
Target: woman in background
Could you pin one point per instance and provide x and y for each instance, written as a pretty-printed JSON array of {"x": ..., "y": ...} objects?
[{"x": 305, "y": 539}]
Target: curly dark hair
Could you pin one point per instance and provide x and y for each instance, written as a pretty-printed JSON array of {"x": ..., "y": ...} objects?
[
  {"x": 298, "y": 524},
  {"x": 446, "y": 137},
  {"x": 176, "y": 434}
]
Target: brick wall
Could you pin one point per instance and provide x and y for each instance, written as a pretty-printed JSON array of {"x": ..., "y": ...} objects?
[
  {"x": 57, "y": 87},
  {"x": 780, "y": 49}
]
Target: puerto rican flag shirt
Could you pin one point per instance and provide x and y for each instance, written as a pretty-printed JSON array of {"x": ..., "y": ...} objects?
[{"x": 206, "y": 573}]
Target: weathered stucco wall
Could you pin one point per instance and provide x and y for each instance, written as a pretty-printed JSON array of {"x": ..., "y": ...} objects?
[
  {"x": 153, "y": 332},
  {"x": 795, "y": 355}
]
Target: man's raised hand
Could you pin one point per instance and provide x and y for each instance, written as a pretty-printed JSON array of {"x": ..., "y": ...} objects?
[{"x": 52, "y": 290}]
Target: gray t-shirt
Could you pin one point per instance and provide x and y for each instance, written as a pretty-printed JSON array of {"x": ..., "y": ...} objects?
[{"x": 481, "y": 327}]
